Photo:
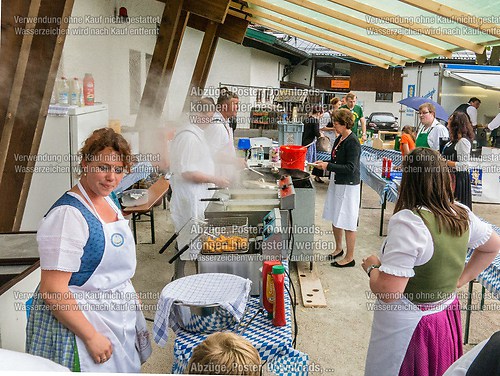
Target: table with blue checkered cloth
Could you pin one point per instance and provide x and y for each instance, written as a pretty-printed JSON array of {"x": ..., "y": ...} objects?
[
  {"x": 274, "y": 343},
  {"x": 371, "y": 171}
]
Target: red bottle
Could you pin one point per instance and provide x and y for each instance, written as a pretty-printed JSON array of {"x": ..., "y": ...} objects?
[
  {"x": 88, "y": 90},
  {"x": 279, "y": 296},
  {"x": 268, "y": 286},
  {"x": 384, "y": 166},
  {"x": 389, "y": 167}
]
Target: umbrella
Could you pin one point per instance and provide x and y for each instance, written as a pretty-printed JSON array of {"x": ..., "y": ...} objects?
[{"x": 415, "y": 102}]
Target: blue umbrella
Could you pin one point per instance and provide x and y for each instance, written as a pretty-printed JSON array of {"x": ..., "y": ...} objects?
[{"x": 415, "y": 102}]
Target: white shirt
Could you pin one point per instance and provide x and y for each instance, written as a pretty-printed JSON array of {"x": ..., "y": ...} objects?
[
  {"x": 463, "y": 149},
  {"x": 189, "y": 153},
  {"x": 62, "y": 235},
  {"x": 435, "y": 131},
  {"x": 472, "y": 112},
  {"x": 324, "y": 119},
  {"x": 219, "y": 137},
  {"x": 409, "y": 242},
  {"x": 495, "y": 123}
]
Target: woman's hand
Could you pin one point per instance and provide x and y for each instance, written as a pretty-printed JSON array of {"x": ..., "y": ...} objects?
[
  {"x": 322, "y": 165},
  {"x": 99, "y": 347},
  {"x": 370, "y": 260}
]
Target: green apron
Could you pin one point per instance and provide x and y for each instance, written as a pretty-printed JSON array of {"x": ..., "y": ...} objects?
[{"x": 421, "y": 141}]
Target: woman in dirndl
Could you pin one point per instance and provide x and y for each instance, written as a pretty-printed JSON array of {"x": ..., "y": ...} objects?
[
  {"x": 85, "y": 313},
  {"x": 416, "y": 324},
  {"x": 457, "y": 152}
]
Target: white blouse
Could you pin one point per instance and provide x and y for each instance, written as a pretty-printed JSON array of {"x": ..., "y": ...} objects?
[
  {"x": 409, "y": 242},
  {"x": 61, "y": 236}
]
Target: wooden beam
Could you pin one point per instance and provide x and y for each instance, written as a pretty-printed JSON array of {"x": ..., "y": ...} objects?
[
  {"x": 457, "y": 16},
  {"x": 213, "y": 10},
  {"x": 11, "y": 48},
  {"x": 37, "y": 63},
  {"x": 159, "y": 75},
  {"x": 331, "y": 28},
  {"x": 400, "y": 21},
  {"x": 370, "y": 27},
  {"x": 340, "y": 42},
  {"x": 203, "y": 63},
  {"x": 165, "y": 80},
  {"x": 320, "y": 42},
  {"x": 233, "y": 29}
]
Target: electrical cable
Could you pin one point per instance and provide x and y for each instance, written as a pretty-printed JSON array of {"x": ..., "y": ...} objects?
[
  {"x": 292, "y": 301},
  {"x": 249, "y": 322}
]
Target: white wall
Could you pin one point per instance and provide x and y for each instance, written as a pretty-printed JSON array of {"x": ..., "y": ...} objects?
[
  {"x": 367, "y": 100},
  {"x": 301, "y": 74},
  {"x": 107, "y": 58}
]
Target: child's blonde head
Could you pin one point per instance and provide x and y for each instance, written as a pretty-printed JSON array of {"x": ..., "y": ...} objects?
[{"x": 225, "y": 353}]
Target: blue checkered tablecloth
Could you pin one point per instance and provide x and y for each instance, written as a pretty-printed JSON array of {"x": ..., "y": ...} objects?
[
  {"x": 273, "y": 343},
  {"x": 490, "y": 277},
  {"x": 371, "y": 171}
]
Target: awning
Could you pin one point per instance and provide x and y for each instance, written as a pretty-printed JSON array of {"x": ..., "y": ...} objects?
[{"x": 487, "y": 77}]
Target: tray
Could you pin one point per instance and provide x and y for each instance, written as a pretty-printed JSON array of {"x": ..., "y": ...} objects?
[{"x": 225, "y": 236}]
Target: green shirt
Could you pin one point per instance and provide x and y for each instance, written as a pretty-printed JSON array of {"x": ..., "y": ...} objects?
[{"x": 358, "y": 114}]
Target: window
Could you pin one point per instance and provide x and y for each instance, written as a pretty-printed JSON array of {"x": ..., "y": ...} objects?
[
  {"x": 383, "y": 97},
  {"x": 342, "y": 69}
]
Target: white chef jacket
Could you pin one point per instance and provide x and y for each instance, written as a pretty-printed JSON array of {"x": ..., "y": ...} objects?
[
  {"x": 495, "y": 123},
  {"x": 189, "y": 152},
  {"x": 219, "y": 136}
]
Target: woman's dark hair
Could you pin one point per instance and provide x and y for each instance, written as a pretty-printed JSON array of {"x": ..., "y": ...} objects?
[
  {"x": 344, "y": 117},
  {"x": 426, "y": 183},
  {"x": 103, "y": 138},
  {"x": 460, "y": 125}
]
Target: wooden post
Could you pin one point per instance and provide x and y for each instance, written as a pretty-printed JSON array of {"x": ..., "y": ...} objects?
[
  {"x": 203, "y": 63},
  {"x": 33, "y": 67},
  {"x": 167, "y": 46}
]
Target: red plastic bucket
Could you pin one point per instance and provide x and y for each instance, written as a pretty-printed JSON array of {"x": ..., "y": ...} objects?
[{"x": 293, "y": 156}]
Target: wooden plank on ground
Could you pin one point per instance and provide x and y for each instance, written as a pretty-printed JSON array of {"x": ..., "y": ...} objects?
[{"x": 310, "y": 287}]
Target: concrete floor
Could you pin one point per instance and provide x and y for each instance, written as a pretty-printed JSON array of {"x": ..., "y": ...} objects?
[{"x": 336, "y": 337}]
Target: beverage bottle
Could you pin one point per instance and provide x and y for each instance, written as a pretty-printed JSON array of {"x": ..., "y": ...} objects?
[
  {"x": 254, "y": 153},
  {"x": 63, "y": 92},
  {"x": 389, "y": 166},
  {"x": 260, "y": 153},
  {"x": 278, "y": 275},
  {"x": 74, "y": 98},
  {"x": 384, "y": 166},
  {"x": 88, "y": 89},
  {"x": 268, "y": 286}
]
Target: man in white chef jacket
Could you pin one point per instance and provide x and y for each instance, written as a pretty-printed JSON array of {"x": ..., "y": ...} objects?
[
  {"x": 193, "y": 172},
  {"x": 220, "y": 137}
]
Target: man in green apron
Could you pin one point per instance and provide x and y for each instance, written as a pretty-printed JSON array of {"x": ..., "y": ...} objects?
[
  {"x": 357, "y": 111},
  {"x": 431, "y": 130}
]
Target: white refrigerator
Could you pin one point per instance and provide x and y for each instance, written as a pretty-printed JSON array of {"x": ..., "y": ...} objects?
[{"x": 57, "y": 160}]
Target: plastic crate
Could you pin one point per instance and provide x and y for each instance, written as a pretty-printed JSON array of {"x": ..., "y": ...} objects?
[{"x": 290, "y": 133}]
